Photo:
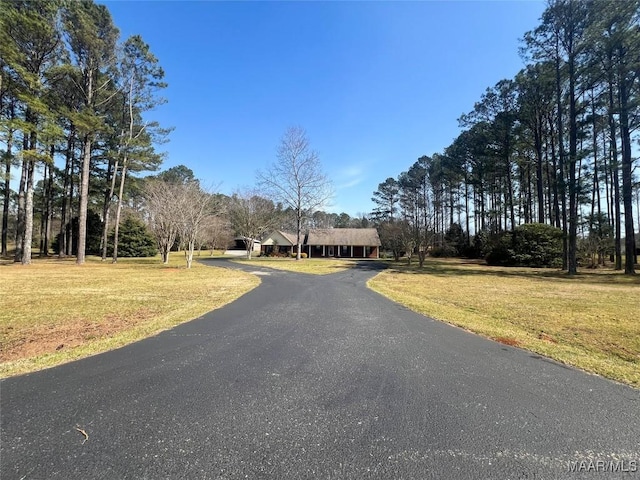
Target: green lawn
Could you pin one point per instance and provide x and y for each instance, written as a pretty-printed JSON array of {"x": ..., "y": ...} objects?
[
  {"x": 315, "y": 266},
  {"x": 591, "y": 321},
  {"x": 54, "y": 311}
]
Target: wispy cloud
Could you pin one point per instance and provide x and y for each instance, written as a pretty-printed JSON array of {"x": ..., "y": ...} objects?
[
  {"x": 350, "y": 176},
  {"x": 349, "y": 184}
]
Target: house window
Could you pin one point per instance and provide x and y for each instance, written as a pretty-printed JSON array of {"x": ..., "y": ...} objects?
[
  {"x": 344, "y": 251},
  {"x": 367, "y": 251}
]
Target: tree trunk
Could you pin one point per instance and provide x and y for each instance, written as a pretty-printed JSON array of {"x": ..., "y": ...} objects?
[
  {"x": 573, "y": 160},
  {"x": 595, "y": 197},
  {"x": 47, "y": 230},
  {"x": 116, "y": 227},
  {"x": 66, "y": 193},
  {"x": 466, "y": 208},
  {"x": 7, "y": 192},
  {"x": 72, "y": 240},
  {"x": 84, "y": 199},
  {"x": 28, "y": 218},
  {"x": 615, "y": 185},
  {"x": 85, "y": 174},
  {"x": 190, "y": 249},
  {"x": 625, "y": 135},
  {"x": 22, "y": 192},
  {"x": 299, "y": 229},
  {"x": 539, "y": 177},
  {"x": 561, "y": 183},
  {"x": 606, "y": 173},
  {"x": 48, "y": 213},
  {"x": 43, "y": 217},
  {"x": 113, "y": 172}
]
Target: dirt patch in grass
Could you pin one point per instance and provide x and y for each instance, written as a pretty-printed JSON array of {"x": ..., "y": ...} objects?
[
  {"x": 54, "y": 311},
  {"x": 512, "y": 342},
  {"x": 46, "y": 338},
  {"x": 547, "y": 338},
  {"x": 589, "y": 320}
]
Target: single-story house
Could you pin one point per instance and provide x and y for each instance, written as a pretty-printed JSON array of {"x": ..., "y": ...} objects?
[
  {"x": 281, "y": 242},
  {"x": 343, "y": 242},
  {"x": 328, "y": 242}
]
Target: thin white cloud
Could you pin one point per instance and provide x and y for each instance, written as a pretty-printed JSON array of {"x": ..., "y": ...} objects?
[
  {"x": 349, "y": 184},
  {"x": 350, "y": 176}
]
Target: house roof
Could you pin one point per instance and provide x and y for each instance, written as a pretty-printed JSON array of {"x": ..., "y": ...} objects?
[
  {"x": 344, "y": 236},
  {"x": 282, "y": 238},
  {"x": 292, "y": 237}
]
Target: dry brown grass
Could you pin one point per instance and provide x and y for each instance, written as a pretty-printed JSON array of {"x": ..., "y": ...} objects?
[
  {"x": 591, "y": 321},
  {"x": 315, "y": 266},
  {"x": 54, "y": 311}
]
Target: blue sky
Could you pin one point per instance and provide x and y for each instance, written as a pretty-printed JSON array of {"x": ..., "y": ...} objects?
[{"x": 375, "y": 84}]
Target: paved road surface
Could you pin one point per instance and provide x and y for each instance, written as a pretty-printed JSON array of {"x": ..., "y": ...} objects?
[{"x": 317, "y": 377}]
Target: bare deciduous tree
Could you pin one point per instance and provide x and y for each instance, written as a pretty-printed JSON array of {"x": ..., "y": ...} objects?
[
  {"x": 195, "y": 207},
  {"x": 296, "y": 178},
  {"x": 163, "y": 214},
  {"x": 217, "y": 233},
  {"x": 179, "y": 210},
  {"x": 252, "y": 216}
]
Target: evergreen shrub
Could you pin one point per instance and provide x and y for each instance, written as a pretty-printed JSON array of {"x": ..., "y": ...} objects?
[
  {"x": 134, "y": 239},
  {"x": 529, "y": 245}
]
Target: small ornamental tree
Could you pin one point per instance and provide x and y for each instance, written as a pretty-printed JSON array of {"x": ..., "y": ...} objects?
[{"x": 135, "y": 240}]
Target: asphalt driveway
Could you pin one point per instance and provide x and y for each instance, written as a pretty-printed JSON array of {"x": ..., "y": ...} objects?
[{"x": 317, "y": 377}]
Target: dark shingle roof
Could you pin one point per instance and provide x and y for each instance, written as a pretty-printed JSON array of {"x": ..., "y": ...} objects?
[
  {"x": 344, "y": 236},
  {"x": 292, "y": 237}
]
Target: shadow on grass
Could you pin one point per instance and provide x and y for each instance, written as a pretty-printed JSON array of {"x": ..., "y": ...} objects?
[
  {"x": 441, "y": 267},
  {"x": 90, "y": 259}
]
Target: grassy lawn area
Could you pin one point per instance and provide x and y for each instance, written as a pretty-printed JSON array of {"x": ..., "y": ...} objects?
[
  {"x": 591, "y": 321},
  {"x": 54, "y": 311},
  {"x": 315, "y": 266}
]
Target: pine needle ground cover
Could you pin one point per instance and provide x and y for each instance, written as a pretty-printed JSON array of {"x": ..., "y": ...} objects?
[
  {"x": 53, "y": 311},
  {"x": 591, "y": 321},
  {"x": 314, "y": 266}
]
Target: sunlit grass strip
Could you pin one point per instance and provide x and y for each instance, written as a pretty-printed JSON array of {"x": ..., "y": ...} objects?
[
  {"x": 315, "y": 266},
  {"x": 53, "y": 311},
  {"x": 591, "y": 321}
]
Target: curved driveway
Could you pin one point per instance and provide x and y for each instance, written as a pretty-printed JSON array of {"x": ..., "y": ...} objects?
[{"x": 317, "y": 377}]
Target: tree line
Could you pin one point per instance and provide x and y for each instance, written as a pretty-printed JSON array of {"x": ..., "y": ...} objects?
[
  {"x": 70, "y": 90},
  {"x": 75, "y": 104},
  {"x": 554, "y": 146}
]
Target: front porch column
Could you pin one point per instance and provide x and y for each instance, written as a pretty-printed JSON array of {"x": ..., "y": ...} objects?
[
  {"x": 351, "y": 251},
  {"x": 309, "y": 250},
  {"x": 323, "y": 254}
]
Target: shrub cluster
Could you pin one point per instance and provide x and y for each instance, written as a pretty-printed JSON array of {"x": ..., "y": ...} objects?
[
  {"x": 529, "y": 245},
  {"x": 446, "y": 251}
]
